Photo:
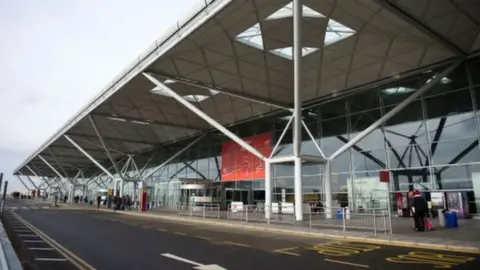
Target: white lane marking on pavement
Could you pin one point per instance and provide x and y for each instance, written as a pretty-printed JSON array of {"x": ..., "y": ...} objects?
[
  {"x": 51, "y": 259},
  {"x": 33, "y": 241},
  {"x": 28, "y": 235},
  {"x": 24, "y": 207},
  {"x": 40, "y": 248},
  {"x": 197, "y": 265},
  {"x": 23, "y": 231},
  {"x": 46, "y": 207}
]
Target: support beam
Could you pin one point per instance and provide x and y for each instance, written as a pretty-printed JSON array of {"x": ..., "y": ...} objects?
[
  {"x": 205, "y": 117},
  {"x": 57, "y": 161},
  {"x": 23, "y": 183},
  {"x": 104, "y": 145},
  {"x": 223, "y": 90},
  {"x": 173, "y": 157},
  {"x": 159, "y": 123},
  {"x": 396, "y": 109},
  {"x": 51, "y": 167},
  {"x": 297, "y": 121},
  {"x": 88, "y": 156}
]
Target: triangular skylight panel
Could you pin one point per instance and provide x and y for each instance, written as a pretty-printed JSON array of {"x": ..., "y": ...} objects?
[
  {"x": 334, "y": 32},
  {"x": 287, "y": 52},
  {"x": 287, "y": 11},
  {"x": 252, "y": 37}
]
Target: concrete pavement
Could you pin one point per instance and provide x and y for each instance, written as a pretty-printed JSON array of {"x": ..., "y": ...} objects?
[{"x": 112, "y": 241}]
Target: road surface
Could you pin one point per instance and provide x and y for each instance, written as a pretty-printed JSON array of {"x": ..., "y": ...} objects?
[{"x": 106, "y": 241}]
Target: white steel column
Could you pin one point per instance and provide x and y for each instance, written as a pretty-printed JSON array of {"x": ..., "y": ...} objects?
[
  {"x": 397, "y": 109},
  {"x": 327, "y": 188},
  {"x": 205, "y": 117},
  {"x": 268, "y": 190},
  {"x": 88, "y": 156},
  {"x": 297, "y": 123}
]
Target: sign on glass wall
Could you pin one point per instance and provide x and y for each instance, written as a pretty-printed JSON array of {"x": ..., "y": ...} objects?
[{"x": 238, "y": 164}]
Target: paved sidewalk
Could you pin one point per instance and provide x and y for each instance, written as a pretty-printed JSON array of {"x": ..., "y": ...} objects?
[{"x": 465, "y": 238}]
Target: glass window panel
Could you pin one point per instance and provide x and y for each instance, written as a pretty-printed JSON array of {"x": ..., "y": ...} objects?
[
  {"x": 457, "y": 152},
  {"x": 332, "y": 109},
  {"x": 453, "y": 177},
  {"x": 364, "y": 101},
  {"x": 406, "y": 126},
  {"x": 339, "y": 182}
]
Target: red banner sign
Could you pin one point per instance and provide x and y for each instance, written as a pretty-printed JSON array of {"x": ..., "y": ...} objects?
[{"x": 238, "y": 164}]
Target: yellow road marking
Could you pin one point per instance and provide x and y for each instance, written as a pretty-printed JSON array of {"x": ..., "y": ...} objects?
[
  {"x": 437, "y": 260},
  {"x": 235, "y": 244},
  {"x": 287, "y": 251},
  {"x": 180, "y": 233},
  {"x": 203, "y": 237},
  {"x": 348, "y": 263},
  {"x": 343, "y": 248},
  {"x": 162, "y": 230},
  {"x": 74, "y": 259}
]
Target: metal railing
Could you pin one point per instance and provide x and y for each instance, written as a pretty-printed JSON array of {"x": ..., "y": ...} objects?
[
  {"x": 374, "y": 219},
  {"x": 252, "y": 213},
  {"x": 207, "y": 210}
]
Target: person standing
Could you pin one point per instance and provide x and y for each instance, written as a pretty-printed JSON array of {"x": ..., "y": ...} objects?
[{"x": 419, "y": 208}]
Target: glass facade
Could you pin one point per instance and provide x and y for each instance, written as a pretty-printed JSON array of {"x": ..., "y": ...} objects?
[{"x": 431, "y": 145}]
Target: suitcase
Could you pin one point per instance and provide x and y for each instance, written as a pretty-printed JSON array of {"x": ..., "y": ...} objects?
[{"x": 428, "y": 225}]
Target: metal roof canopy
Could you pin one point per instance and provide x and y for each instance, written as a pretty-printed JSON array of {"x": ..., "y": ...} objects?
[{"x": 214, "y": 60}]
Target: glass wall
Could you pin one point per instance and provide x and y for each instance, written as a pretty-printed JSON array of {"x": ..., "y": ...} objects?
[{"x": 431, "y": 145}]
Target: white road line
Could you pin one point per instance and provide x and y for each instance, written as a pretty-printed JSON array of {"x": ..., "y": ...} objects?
[
  {"x": 198, "y": 266},
  {"x": 46, "y": 207},
  {"x": 28, "y": 235},
  {"x": 51, "y": 259},
  {"x": 33, "y": 241},
  {"x": 171, "y": 256},
  {"x": 24, "y": 207},
  {"x": 40, "y": 248}
]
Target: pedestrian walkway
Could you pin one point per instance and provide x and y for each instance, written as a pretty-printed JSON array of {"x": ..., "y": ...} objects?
[{"x": 464, "y": 238}]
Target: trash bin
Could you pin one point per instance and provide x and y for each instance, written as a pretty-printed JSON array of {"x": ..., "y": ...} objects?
[
  {"x": 451, "y": 220},
  {"x": 441, "y": 217},
  {"x": 340, "y": 214}
]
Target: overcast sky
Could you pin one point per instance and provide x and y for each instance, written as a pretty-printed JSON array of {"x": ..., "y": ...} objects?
[{"x": 56, "y": 55}]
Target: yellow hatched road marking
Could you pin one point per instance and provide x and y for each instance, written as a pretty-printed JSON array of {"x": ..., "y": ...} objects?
[{"x": 435, "y": 259}]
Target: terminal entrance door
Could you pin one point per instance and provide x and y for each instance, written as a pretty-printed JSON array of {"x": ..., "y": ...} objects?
[{"x": 237, "y": 195}]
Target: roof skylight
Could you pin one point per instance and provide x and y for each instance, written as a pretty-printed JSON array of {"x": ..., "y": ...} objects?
[
  {"x": 288, "y": 52},
  {"x": 334, "y": 32},
  {"x": 287, "y": 11},
  {"x": 252, "y": 37},
  {"x": 191, "y": 98},
  {"x": 398, "y": 90}
]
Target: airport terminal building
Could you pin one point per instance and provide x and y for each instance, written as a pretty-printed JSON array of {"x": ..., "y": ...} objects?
[{"x": 350, "y": 103}]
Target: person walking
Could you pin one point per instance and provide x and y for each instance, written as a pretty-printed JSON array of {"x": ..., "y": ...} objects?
[{"x": 419, "y": 208}]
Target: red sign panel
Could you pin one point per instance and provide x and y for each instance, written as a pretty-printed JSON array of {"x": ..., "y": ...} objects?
[
  {"x": 238, "y": 164},
  {"x": 384, "y": 176}
]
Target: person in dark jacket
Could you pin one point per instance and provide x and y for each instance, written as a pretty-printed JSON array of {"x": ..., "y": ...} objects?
[{"x": 419, "y": 208}]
